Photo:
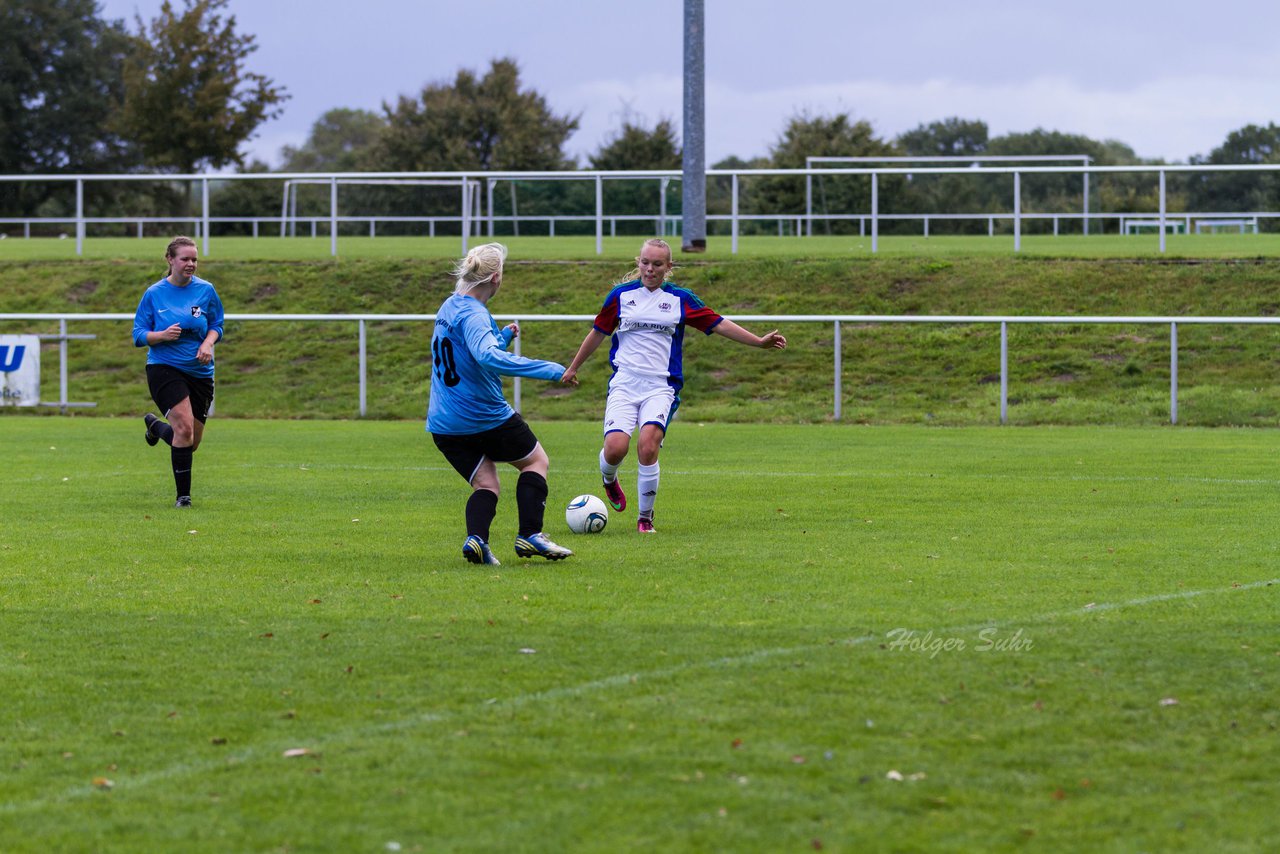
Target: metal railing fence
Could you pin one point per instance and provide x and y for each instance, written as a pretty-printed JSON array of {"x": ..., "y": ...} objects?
[
  {"x": 473, "y": 220},
  {"x": 837, "y": 320}
]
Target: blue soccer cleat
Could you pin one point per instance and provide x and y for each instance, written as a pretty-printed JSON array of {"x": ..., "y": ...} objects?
[
  {"x": 477, "y": 550},
  {"x": 539, "y": 545}
]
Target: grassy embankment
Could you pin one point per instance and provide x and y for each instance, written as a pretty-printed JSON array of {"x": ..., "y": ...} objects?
[{"x": 942, "y": 374}]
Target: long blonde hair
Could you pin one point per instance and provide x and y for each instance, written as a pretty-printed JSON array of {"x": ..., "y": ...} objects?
[
  {"x": 478, "y": 267},
  {"x": 652, "y": 241}
]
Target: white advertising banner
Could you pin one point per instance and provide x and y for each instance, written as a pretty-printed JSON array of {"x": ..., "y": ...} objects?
[{"x": 19, "y": 370}]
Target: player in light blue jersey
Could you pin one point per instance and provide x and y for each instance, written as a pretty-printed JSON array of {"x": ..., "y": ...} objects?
[
  {"x": 469, "y": 419},
  {"x": 179, "y": 319}
]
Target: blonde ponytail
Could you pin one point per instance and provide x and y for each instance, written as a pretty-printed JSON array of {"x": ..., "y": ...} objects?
[{"x": 478, "y": 267}]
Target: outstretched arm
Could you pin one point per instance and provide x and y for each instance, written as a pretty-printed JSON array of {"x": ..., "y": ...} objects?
[
  {"x": 734, "y": 332},
  {"x": 589, "y": 345}
]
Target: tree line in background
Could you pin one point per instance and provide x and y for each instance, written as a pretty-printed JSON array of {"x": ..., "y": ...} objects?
[{"x": 84, "y": 95}]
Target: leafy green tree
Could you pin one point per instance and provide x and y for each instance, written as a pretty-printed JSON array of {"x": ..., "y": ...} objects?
[
  {"x": 477, "y": 123},
  {"x": 953, "y": 137},
  {"x": 634, "y": 146},
  {"x": 1239, "y": 191},
  {"x": 337, "y": 142},
  {"x": 190, "y": 100},
  {"x": 821, "y": 136},
  {"x": 1064, "y": 193},
  {"x": 247, "y": 198},
  {"x": 926, "y": 194},
  {"x": 60, "y": 81}
]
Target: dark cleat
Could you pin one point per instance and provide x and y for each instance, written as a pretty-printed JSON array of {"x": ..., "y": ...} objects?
[
  {"x": 477, "y": 550},
  {"x": 150, "y": 436}
]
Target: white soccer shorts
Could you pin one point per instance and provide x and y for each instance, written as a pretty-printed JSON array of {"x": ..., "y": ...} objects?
[{"x": 635, "y": 401}]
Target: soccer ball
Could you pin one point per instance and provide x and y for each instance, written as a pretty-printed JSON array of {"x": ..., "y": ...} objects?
[{"x": 586, "y": 514}]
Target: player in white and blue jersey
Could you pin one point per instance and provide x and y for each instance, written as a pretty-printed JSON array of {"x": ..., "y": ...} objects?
[
  {"x": 469, "y": 419},
  {"x": 645, "y": 317},
  {"x": 179, "y": 319}
]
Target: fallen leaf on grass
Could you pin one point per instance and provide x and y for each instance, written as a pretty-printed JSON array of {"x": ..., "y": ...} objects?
[
  {"x": 297, "y": 751},
  {"x": 102, "y": 783}
]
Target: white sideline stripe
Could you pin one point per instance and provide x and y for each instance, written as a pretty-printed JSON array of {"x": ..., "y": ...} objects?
[
  {"x": 705, "y": 473},
  {"x": 520, "y": 701}
]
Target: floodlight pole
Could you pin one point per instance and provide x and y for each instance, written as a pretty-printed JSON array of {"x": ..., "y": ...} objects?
[{"x": 694, "y": 157}]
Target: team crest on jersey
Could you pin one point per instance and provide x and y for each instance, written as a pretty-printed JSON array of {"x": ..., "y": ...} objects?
[
  {"x": 664, "y": 306},
  {"x": 195, "y": 311}
]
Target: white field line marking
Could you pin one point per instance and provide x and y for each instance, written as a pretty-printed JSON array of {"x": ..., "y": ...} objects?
[
  {"x": 707, "y": 473},
  {"x": 140, "y": 781}
]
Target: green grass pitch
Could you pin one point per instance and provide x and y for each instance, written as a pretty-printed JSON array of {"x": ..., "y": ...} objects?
[{"x": 842, "y": 638}]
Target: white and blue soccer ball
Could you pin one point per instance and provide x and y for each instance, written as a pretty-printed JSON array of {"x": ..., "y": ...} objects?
[{"x": 586, "y": 514}]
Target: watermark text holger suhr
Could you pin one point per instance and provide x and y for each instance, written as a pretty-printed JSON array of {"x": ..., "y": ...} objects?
[{"x": 989, "y": 639}]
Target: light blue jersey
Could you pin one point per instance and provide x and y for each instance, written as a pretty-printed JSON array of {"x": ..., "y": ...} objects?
[
  {"x": 468, "y": 359},
  {"x": 196, "y": 308}
]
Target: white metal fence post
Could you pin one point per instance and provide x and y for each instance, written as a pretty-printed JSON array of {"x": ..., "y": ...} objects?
[
  {"x": 204, "y": 215},
  {"x": 1085, "y": 218},
  {"x": 1173, "y": 373},
  {"x": 62, "y": 364},
  {"x": 364, "y": 364},
  {"x": 734, "y": 216},
  {"x": 1004, "y": 372},
  {"x": 515, "y": 386},
  {"x": 808, "y": 200},
  {"x": 333, "y": 217},
  {"x": 1017, "y": 211},
  {"x": 839, "y": 367},
  {"x": 489, "y": 182},
  {"x": 599, "y": 215},
  {"x": 79, "y": 218},
  {"x": 1162, "y": 211},
  {"x": 875, "y": 212},
  {"x": 466, "y": 213}
]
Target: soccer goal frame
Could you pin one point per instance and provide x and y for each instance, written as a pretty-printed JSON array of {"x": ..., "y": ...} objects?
[{"x": 948, "y": 160}]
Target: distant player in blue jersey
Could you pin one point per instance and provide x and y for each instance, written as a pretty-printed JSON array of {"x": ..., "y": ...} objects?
[
  {"x": 469, "y": 419},
  {"x": 179, "y": 319},
  {"x": 646, "y": 317}
]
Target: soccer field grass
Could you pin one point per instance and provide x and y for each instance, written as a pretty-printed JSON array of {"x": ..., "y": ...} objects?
[{"x": 842, "y": 638}]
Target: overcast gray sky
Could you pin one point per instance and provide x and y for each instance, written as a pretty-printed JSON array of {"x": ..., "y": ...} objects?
[{"x": 1168, "y": 77}]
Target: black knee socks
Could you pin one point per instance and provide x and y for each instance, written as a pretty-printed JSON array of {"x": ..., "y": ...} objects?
[
  {"x": 481, "y": 508},
  {"x": 181, "y": 459},
  {"x": 531, "y": 501}
]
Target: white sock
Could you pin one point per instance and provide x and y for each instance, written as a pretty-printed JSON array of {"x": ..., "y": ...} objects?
[
  {"x": 607, "y": 471},
  {"x": 647, "y": 486}
]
